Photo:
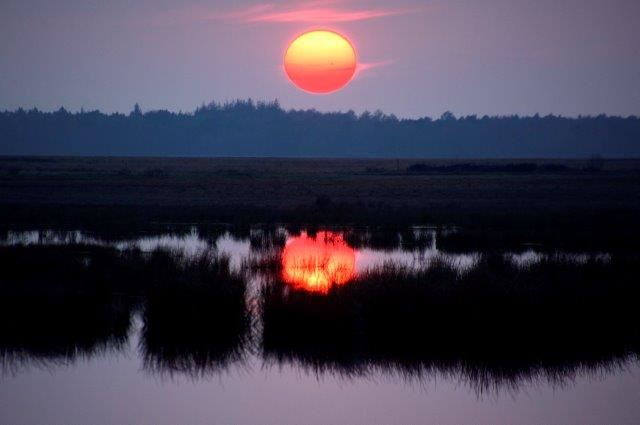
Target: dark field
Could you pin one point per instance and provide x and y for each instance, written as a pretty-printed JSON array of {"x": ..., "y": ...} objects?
[{"x": 316, "y": 190}]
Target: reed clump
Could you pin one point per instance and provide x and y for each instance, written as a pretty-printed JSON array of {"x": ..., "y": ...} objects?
[
  {"x": 59, "y": 302},
  {"x": 494, "y": 324},
  {"x": 195, "y": 318}
]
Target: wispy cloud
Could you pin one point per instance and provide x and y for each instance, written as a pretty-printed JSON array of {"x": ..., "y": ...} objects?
[
  {"x": 366, "y": 66},
  {"x": 309, "y": 12},
  {"x": 326, "y": 15}
]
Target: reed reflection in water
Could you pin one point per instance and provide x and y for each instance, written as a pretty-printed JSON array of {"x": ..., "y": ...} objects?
[
  {"x": 500, "y": 323},
  {"x": 415, "y": 248}
]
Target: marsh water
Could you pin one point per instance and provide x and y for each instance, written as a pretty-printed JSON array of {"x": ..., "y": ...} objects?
[{"x": 287, "y": 355}]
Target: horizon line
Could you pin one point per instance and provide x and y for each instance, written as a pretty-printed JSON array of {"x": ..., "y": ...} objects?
[{"x": 276, "y": 103}]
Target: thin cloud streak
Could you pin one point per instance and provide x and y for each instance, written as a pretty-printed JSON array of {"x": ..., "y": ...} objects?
[
  {"x": 363, "y": 68},
  {"x": 366, "y": 66},
  {"x": 310, "y": 12},
  {"x": 328, "y": 15}
]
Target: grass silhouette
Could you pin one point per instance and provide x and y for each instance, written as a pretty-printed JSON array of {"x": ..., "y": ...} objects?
[
  {"x": 195, "y": 318},
  {"x": 493, "y": 326}
]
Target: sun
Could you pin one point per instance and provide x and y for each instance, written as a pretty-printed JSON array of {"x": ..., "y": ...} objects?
[
  {"x": 316, "y": 263},
  {"x": 320, "y": 61}
]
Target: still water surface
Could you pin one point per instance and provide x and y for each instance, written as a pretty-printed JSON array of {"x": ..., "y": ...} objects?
[
  {"x": 115, "y": 389},
  {"x": 116, "y": 386}
]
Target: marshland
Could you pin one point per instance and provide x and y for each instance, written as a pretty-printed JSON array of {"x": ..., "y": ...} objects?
[
  {"x": 357, "y": 304},
  {"x": 319, "y": 212},
  {"x": 185, "y": 279}
]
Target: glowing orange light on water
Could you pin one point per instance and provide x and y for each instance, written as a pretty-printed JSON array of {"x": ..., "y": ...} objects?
[
  {"x": 314, "y": 264},
  {"x": 320, "y": 61}
]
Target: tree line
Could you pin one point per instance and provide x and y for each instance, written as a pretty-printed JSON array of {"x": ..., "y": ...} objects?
[{"x": 248, "y": 128}]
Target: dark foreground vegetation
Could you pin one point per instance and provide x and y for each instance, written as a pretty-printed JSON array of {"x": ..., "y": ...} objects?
[
  {"x": 59, "y": 302},
  {"x": 195, "y": 319},
  {"x": 115, "y": 195},
  {"x": 249, "y": 129},
  {"x": 494, "y": 326}
]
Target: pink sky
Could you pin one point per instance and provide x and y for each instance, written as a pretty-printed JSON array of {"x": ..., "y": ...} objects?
[{"x": 417, "y": 57}]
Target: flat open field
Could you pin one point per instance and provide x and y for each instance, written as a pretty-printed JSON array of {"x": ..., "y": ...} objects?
[{"x": 260, "y": 189}]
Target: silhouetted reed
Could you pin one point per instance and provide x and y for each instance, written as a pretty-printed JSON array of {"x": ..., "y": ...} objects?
[
  {"x": 384, "y": 238},
  {"x": 416, "y": 239},
  {"x": 269, "y": 262},
  {"x": 267, "y": 239},
  {"x": 195, "y": 318},
  {"x": 57, "y": 303},
  {"x": 389, "y": 238},
  {"x": 619, "y": 236},
  {"x": 494, "y": 326}
]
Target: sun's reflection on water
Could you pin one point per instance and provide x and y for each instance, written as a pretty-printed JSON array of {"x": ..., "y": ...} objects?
[{"x": 317, "y": 263}]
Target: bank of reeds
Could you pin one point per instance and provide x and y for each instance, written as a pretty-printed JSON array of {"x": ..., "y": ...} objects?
[
  {"x": 195, "y": 318},
  {"x": 58, "y": 302},
  {"x": 493, "y": 325}
]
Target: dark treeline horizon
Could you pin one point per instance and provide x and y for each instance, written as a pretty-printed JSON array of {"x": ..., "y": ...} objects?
[{"x": 247, "y": 128}]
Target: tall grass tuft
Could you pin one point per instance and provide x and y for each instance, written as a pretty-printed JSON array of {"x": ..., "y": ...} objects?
[
  {"x": 493, "y": 326},
  {"x": 195, "y": 318},
  {"x": 57, "y": 304}
]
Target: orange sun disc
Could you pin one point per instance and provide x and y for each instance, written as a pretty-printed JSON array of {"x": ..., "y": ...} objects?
[
  {"x": 316, "y": 263},
  {"x": 320, "y": 61}
]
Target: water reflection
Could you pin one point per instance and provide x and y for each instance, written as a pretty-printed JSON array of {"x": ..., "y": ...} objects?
[
  {"x": 316, "y": 263},
  {"x": 215, "y": 312},
  {"x": 492, "y": 319},
  {"x": 60, "y": 303},
  {"x": 197, "y": 326},
  {"x": 416, "y": 248}
]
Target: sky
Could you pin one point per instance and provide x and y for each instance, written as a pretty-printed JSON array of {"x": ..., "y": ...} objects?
[{"x": 416, "y": 58}]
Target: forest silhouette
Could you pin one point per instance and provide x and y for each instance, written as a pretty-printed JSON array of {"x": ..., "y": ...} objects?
[{"x": 246, "y": 128}]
